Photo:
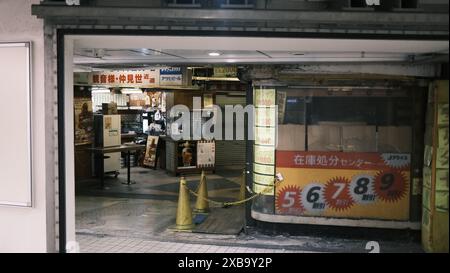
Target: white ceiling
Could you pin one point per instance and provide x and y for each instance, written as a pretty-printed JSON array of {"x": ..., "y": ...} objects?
[{"x": 105, "y": 51}]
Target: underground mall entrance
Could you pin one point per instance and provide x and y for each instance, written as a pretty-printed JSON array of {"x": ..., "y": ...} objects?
[{"x": 158, "y": 145}]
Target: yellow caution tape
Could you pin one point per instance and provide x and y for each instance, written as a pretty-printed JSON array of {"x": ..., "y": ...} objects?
[{"x": 227, "y": 204}]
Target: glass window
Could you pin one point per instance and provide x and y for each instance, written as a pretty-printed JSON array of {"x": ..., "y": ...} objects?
[{"x": 346, "y": 121}]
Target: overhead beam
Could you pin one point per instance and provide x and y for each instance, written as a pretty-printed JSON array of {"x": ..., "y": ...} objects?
[{"x": 440, "y": 21}]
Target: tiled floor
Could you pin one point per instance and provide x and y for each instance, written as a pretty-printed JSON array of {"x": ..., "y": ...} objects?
[
  {"x": 148, "y": 208},
  {"x": 140, "y": 218},
  {"x": 96, "y": 244}
]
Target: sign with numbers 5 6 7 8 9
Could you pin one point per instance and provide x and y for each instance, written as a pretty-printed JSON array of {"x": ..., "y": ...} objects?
[{"x": 346, "y": 185}]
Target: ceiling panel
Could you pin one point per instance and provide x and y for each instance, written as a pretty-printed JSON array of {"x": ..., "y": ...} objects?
[
  {"x": 135, "y": 51},
  {"x": 224, "y": 54},
  {"x": 261, "y": 44}
]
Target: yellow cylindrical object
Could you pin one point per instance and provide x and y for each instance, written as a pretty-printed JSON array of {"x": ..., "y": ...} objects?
[
  {"x": 202, "y": 205},
  {"x": 242, "y": 189},
  {"x": 184, "y": 212}
]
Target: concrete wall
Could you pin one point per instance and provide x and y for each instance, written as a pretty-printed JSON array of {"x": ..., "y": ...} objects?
[{"x": 25, "y": 229}]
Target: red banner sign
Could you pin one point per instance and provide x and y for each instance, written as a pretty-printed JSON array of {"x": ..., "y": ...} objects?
[{"x": 340, "y": 160}]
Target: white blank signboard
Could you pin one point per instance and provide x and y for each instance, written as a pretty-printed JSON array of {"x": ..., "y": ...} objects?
[{"x": 15, "y": 136}]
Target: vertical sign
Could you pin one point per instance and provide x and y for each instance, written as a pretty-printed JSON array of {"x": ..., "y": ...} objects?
[{"x": 265, "y": 140}]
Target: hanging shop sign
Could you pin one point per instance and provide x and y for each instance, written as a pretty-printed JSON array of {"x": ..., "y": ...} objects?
[
  {"x": 171, "y": 76},
  {"x": 134, "y": 78},
  {"x": 148, "y": 78},
  {"x": 225, "y": 71},
  {"x": 346, "y": 185}
]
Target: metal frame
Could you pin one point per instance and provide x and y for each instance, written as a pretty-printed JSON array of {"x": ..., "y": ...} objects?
[
  {"x": 326, "y": 21},
  {"x": 61, "y": 142},
  {"x": 29, "y": 110}
]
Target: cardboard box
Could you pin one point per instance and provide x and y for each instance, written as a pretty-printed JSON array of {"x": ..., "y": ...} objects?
[
  {"x": 291, "y": 137},
  {"x": 393, "y": 139},
  {"x": 359, "y": 139},
  {"x": 324, "y": 138}
]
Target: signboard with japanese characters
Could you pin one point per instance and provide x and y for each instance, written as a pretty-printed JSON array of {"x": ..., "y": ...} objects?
[
  {"x": 170, "y": 76},
  {"x": 343, "y": 184},
  {"x": 133, "y": 78}
]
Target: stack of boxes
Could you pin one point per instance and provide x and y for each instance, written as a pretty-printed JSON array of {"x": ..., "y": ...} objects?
[{"x": 346, "y": 137}]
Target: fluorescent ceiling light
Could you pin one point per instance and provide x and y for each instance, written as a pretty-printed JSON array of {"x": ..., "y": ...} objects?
[
  {"x": 297, "y": 53},
  {"x": 214, "y": 54},
  {"x": 100, "y": 90},
  {"x": 131, "y": 91},
  {"x": 215, "y": 79}
]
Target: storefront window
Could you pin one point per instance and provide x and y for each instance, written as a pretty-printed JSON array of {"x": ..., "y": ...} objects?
[
  {"x": 342, "y": 152},
  {"x": 344, "y": 121}
]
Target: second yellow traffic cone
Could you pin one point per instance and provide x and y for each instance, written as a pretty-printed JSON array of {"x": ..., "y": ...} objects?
[
  {"x": 184, "y": 212},
  {"x": 202, "y": 205}
]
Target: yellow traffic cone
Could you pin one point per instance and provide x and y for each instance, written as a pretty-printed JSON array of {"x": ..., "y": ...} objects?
[
  {"x": 184, "y": 213},
  {"x": 242, "y": 190},
  {"x": 202, "y": 205}
]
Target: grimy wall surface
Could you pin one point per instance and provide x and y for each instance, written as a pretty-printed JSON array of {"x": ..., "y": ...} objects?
[{"x": 25, "y": 229}]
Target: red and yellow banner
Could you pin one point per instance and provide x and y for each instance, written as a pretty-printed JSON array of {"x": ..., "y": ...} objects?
[{"x": 343, "y": 184}]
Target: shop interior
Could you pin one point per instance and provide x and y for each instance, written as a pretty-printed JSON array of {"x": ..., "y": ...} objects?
[{"x": 145, "y": 169}]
